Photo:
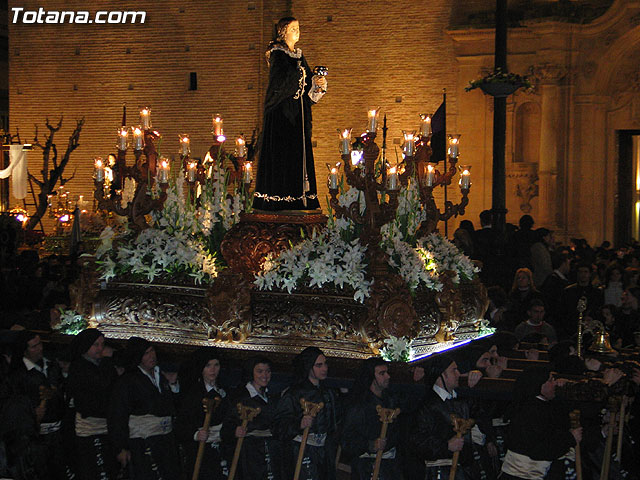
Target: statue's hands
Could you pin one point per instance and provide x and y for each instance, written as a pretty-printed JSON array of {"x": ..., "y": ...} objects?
[{"x": 320, "y": 82}]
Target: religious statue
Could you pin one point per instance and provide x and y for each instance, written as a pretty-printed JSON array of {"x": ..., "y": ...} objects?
[{"x": 286, "y": 175}]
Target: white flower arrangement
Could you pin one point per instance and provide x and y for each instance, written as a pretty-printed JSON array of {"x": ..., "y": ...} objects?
[
  {"x": 183, "y": 239},
  {"x": 397, "y": 349},
  {"x": 446, "y": 256},
  {"x": 336, "y": 256},
  {"x": 71, "y": 323},
  {"x": 320, "y": 260}
]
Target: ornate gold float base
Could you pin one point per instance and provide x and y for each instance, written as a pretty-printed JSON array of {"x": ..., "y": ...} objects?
[{"x": 230, "y": 314}]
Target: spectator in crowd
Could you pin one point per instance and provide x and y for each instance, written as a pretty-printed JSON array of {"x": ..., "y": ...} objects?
[
  {"x": 541, "y": 256},
  {"x": 535, "y": 323}
]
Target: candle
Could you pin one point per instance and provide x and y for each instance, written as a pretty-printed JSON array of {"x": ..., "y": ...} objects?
[
  {"x": 185, "y": 145},
  {"x": 191, "y": 172},
  {"x": 241, "y": 147},
  {"x": 163, "y": 171},
  {"x": 98, "y": 169},
  {"x": 123, "y": 137},
  {"x": 138, "y": 138},
  {"x": 431, "y": 175},
  {"x": 345, "y": 141},
  {"x": 145, "y": 118},
  {"x": 465, "y": 177},
  {"x": 409, "y": 143},
  {"x": 247, "y": 172},
  {"x": 425, "y": 126},
  {"x": 333, "y": 179},
  {"x": 217, "y": 125},
  {"x": 454, "y": 144},
  {"x": 392, "y": 179},
  {"x": 373, "y": 120}
]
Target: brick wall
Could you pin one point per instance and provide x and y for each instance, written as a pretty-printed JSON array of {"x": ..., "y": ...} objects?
[{"x": 380, "y": 54}]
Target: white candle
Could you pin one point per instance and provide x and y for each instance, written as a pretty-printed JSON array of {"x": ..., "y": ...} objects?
[
  {"x": 247, "y": 172},
  {"x": 217, "y": 125},
  {"x": 465, "y": 178},
  {"x": 185, "y": 145},
  {"x": 373, "y": 120},
  {"x": 123, "y": 137},
  {"x": 454, "y": 144},
  {"x": 138, "y": 138},
  {"x": 409, "y": 143},
  {"x": 345, "y": 141},
  {"x": 425, "y": 126},
  {"x": 145, "y": 118},
  {"x": 99, "y": 169},
  {"x": 163, "y": 171},
  {"x": 431, "y": 175},
  {"x": 191, "y": 172},
  {"x": 333, "y": 179},
  {"x": 392, "y": 179},
  {"x": 241, "y": 147}
]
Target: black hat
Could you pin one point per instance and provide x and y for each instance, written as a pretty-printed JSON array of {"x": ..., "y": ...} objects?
[
  {"x": 250, "y": 364},
  {"x": 367, "y": 373},
  {"x": 467, "y": 358},
  {"x": 136, "y": 346},
  {"x": 528, "y": 383},
  {"x": 434, "y": 368},
  {"x": 83, "y": 341},
  {"x": 304, "y": 361}
]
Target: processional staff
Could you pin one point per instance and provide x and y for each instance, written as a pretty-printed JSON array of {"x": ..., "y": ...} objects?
[
  {"x": 606, "y": 459},
  {"x": 246, "y": 415},
  {"x": 309, "y": 409},
  {"x": 581, "y": 307},
  {"x": 461, "y": 426},
  {"x": 387, "y": 416},
  {"x": 574, "y": 416},
  {"x": 623, "y": 413},
  {"x": 209, "y": 405}
]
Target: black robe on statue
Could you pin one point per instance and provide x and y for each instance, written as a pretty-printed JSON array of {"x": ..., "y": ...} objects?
[{"x": 286, "y": 136}]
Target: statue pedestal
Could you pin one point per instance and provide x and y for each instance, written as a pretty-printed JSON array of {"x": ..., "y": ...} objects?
[{"x": 259, "y": 234}]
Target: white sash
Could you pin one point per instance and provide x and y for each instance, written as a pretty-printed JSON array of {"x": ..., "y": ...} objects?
[
  {"x": 90, "y": 426},
  {"x": 144, "y": 426}
]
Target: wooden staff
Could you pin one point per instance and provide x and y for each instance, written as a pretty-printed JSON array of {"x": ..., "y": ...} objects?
[
  {"x": 606, "y": 460},
  {"x": 209, "y": 405},
  {"x": 311, "y": 409},
  {"x": 623, "y": 406},
  {"x": 387, "y": 416},
  {"x": 46, "y": 394},
  {"x": 461, "y": 426},
  {"x": 246, "y": 415},
  {"x": 574, "y": 416}
]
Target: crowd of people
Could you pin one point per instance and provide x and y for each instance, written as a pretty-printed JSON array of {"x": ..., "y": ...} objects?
[{"x": 94, "y": 409}]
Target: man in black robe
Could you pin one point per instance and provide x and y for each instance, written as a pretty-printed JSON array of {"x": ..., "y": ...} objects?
[
  {"x": 140, "y": 417},
  {"x": 361, "y": 432},
  {"x": 538, "y": 433},
  {"x": 38, "y": 408},
  {"x": 90, "y": 384},
  {"x": 433, "y": 438},
  {"x": 261, "y": 453},
  {"x": 319, "y": 461}
]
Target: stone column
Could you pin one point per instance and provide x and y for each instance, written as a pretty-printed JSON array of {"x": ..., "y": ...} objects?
[{"x": 548, "y": 77}]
